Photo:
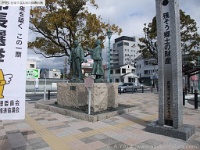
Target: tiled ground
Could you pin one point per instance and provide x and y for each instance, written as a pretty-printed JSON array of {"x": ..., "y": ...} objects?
[{"x": 45, "y": 130}]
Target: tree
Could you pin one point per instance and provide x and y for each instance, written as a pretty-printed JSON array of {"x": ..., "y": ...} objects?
[
  {"x": 189, "y": 38},
  {"x": 60, "y": 22}
]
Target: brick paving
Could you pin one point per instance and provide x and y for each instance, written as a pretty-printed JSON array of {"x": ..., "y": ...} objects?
[{"x": 45, "y": 130}]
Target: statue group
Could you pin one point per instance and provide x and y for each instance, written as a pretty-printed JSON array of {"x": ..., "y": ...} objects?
[{"x": 77, "y": 58}]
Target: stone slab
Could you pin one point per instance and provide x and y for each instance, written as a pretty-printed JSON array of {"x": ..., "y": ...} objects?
[
  {"x": 50, "y": 105},
  {"x": 184, "y": 132},
  {"x": 16, "y": 140}
]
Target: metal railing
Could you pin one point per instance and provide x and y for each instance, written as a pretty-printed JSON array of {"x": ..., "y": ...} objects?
[
  {"x": 141, "y": 89},
  {"x": 194, "y": 99},
  {"x": 51, "y": 84}
]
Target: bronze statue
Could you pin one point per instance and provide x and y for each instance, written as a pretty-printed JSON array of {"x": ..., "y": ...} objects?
[
  {"x": 96, "y": 55},
  {"x": 76, "y": 59}
]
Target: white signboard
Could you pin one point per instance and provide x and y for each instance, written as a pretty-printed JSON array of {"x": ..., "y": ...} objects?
[{"x": 14, "y": 24}]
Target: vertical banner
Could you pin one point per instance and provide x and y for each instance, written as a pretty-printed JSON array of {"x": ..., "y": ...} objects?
[{"x": 14, "y": 25}]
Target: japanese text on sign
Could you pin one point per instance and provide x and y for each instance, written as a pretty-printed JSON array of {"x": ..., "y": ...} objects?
[
  {"x": 9, "y": 106},
  {"x": 3, "y": 26},
  {"x": 166, "y": 35}
]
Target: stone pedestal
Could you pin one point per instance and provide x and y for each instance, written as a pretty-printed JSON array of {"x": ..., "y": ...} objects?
[
  {"x": 184, "y": 132},
  {"x": 75, "y": 95}
]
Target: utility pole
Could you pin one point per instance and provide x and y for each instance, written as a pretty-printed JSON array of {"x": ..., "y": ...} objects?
[
  {"x": 65, "y": 68},
  {"x": 109, "y": 34}
]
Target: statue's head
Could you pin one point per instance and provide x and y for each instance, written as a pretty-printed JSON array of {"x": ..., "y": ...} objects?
[
  {"x": 76, "y": 42},
  {"x": 98, "y": 42}
]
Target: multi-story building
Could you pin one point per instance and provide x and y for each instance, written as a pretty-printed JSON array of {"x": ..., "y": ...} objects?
[
  {"x": 147, "y": 70},
  {"x": 125, "y": 50}
]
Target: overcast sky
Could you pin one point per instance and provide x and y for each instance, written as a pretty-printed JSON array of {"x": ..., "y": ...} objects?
[{"x": 130, "y": 15}]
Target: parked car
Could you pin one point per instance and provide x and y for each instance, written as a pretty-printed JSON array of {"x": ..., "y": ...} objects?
[{"x": 127, "y": 87}]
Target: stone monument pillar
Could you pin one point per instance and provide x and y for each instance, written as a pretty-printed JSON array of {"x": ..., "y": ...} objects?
[{"x": 170, "y": 121}]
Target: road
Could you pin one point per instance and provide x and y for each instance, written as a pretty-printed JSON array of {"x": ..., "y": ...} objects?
[{"x": 36, "y": 97}]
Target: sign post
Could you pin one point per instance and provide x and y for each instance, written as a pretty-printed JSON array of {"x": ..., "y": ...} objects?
[
  {"x": 89, "y": 83},
  {"x": 170, "y": 121}
]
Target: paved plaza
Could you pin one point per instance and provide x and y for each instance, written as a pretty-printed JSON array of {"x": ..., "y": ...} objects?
[{"x": 45, "y": 130}]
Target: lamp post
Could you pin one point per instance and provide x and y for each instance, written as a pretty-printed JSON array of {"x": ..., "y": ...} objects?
[{"x": 109, "y": 34}]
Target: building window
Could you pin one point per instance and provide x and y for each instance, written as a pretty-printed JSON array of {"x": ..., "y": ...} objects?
[
  {"x": 146, "y": 71},
  {"x": 32, "y": 65},
  {"x": 126, "y": 43},
  {"x": 146, "y": 63},
  {"x": 117, "y": 80},
  {"x": 111, "y": 71},
  {"x": 120, "y": 44},
  {"x": 117, "y": 71},
  {"x": 123, "y": 70}
]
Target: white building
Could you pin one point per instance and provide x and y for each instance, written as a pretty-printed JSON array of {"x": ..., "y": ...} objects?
[
  {"x": 31, "y": 64},
  {"x": 125, "y": 73},
  {"x": 50, "y": 73},
  {"x": 125, "y": 50},
  {"x": 146, "y": 70}
]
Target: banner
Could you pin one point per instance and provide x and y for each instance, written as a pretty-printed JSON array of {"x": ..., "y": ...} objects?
[{"x": 14, "y": 24}]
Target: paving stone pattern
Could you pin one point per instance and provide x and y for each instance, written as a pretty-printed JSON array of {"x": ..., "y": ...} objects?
[{"x": 45, "y": 130}]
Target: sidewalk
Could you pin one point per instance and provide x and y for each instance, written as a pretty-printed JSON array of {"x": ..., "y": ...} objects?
[{"x": 45, "y": 130}]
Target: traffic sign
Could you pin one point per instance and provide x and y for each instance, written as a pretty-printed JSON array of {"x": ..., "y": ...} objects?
[{"x": 32, "y": 73}]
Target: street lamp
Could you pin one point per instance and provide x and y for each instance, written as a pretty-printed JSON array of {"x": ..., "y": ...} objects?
[{"x": 109, "y": 34}]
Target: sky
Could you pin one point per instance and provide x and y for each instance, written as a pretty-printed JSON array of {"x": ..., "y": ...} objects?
[{"x": 130, "y": 15}]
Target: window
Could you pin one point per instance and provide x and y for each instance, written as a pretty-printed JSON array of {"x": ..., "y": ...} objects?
[
  {"x": 32, "y": 65},
  {"x": 123, "y": 70},
  {"x": 117, "y": 71},
  {"x": 120, "y": 44},
  {"x": 111, "y": 71},
  {"x": 146, "y": 63},
  {"x": 126, "y": 43},
  {"x": 117, "y": 80},
  {"x": 146, "y": 71}
]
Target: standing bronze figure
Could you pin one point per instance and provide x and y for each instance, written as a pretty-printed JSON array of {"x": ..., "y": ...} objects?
[
  {"x": 76, "y": 59},
  {"x": 96, "y": 55}
]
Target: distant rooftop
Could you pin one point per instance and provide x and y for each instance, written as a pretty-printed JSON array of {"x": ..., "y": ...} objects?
[{"x": 125, "y": 38}]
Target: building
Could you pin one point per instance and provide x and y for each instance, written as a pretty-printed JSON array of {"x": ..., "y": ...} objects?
[
  {"x": 50, "y": 73},
  {"x": 124, "y": 73},
  {"x": 146, "y": 70},
  {"x": 125, "y": 50},
  {"x": 31, "y": 64},
  {"x": 87, "y": 67}
]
